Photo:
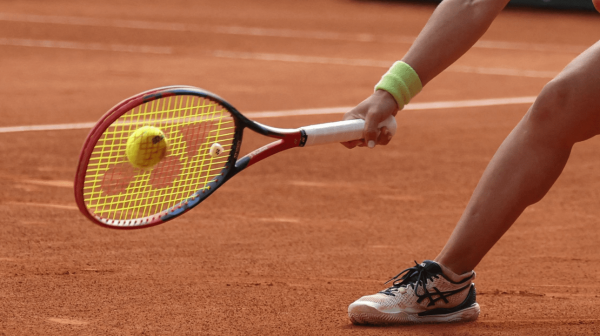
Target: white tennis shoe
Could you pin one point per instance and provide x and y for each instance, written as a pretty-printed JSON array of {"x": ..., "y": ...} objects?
[{"x": 422, "y": 295}]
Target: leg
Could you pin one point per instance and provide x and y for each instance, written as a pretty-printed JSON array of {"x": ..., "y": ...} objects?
[
  {"x": 521, "y": 172},
  {"x": 529, "y": 161}
]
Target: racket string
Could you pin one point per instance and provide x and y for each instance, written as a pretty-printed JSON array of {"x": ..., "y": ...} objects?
[{"x": 115, "y": 190}]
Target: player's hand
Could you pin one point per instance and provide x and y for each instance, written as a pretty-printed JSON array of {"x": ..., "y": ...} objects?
[{"x": 375, "y": 109}]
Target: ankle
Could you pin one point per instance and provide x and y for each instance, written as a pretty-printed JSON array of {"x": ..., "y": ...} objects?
[{"x": 452, "y": 275}]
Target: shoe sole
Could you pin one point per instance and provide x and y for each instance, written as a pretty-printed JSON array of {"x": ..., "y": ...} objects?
[{"x": 364, "y": 314}]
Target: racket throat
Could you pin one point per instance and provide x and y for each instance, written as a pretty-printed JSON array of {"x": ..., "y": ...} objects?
[
  {"x": 261, "y": 153},
  {"x": 296, "y": 139}
]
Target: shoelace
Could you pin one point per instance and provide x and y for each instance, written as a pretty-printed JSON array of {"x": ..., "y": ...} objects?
[{"x": 413, "y": 276}]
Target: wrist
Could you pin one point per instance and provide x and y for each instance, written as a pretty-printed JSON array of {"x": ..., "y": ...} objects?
[
  {"x": 401, "y": 82},
  {"x": 385, "y": 97}
]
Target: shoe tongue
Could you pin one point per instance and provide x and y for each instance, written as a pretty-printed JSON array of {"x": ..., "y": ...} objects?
[{"x": 431, "y": 266}]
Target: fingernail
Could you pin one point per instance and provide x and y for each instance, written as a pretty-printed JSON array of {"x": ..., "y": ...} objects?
[{"x": 371, "y": 144}]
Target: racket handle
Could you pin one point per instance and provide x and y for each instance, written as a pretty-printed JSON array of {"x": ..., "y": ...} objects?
[{"x": 341, "y": 131}]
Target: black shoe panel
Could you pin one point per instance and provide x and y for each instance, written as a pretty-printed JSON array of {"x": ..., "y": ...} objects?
[{"x": 469, "y": 301}]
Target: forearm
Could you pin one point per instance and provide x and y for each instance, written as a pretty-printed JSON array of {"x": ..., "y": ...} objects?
[{"x": 452, "y": 30}]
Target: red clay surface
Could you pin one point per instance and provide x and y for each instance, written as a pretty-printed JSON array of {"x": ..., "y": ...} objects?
[{"x": 284, "y": 247}]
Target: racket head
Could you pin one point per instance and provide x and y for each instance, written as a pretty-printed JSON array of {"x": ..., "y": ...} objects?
[{"x": 113, "y": 193}]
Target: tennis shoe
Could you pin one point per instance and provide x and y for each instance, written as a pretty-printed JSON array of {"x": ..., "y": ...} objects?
[{"x": 420, "y": 294}]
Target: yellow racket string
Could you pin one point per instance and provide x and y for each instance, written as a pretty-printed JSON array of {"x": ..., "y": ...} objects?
[{"x": 115, "y": 190}]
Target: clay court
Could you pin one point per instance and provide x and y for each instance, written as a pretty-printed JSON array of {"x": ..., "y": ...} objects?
[{"x": 285, "y": 246}]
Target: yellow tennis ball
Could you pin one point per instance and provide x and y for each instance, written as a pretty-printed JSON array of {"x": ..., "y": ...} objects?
[{"x": 146, "y": 147}]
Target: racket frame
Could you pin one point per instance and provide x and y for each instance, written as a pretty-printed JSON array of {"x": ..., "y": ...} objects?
[{"x": 287, "y": 138}]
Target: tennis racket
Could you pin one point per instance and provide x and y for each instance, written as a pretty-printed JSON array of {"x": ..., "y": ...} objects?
[{"x": 204, "y": 136}]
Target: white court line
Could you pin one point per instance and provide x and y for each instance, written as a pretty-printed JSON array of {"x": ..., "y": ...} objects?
[
  {"x": 302, "y": 112},
  {"x": 543, "y": 47},
  {"x": 67, "y": 321},
  {"x": 262, "y": 56},
  {"x": 410, "y": 107},
  {"x": 54, "y": 127},
  {"x": 46, "y": 205},
  {"x": 503, "y": 71},
  {"x": 301, "y": 59},
  {"x": 93, "y": 22},
  {"x": 375, "y": 63},
  {"x": 51, "y": 183},
  {"x": 272, "y": 32},
  {"x": 85, "y": 46}
]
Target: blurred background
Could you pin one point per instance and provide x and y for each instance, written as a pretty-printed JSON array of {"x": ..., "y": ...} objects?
[
  {"x": 284, "y": 247},
  {"x": 550, "y": 4}
]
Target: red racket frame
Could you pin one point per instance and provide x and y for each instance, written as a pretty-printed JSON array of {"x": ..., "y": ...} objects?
[{"x": 287, "y": 138}]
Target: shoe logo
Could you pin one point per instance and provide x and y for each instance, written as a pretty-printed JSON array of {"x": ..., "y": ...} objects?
[{"x": 440, "y": 295}]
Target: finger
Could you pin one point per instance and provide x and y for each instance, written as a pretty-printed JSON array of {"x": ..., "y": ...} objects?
[
  {"x": 351, "y": 144},
  {"x": 357, "y": 112},
  {"x": 371, "y": 131},
  {"x": 384, "y": 137},
  {"x": 349, "y": 116}
]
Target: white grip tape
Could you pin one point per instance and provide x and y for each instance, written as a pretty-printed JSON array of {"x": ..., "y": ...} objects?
[{"x": 341, "y": 131}]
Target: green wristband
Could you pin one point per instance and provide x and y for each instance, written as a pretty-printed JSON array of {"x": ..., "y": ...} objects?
[{"x": 402, "y": 82}]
